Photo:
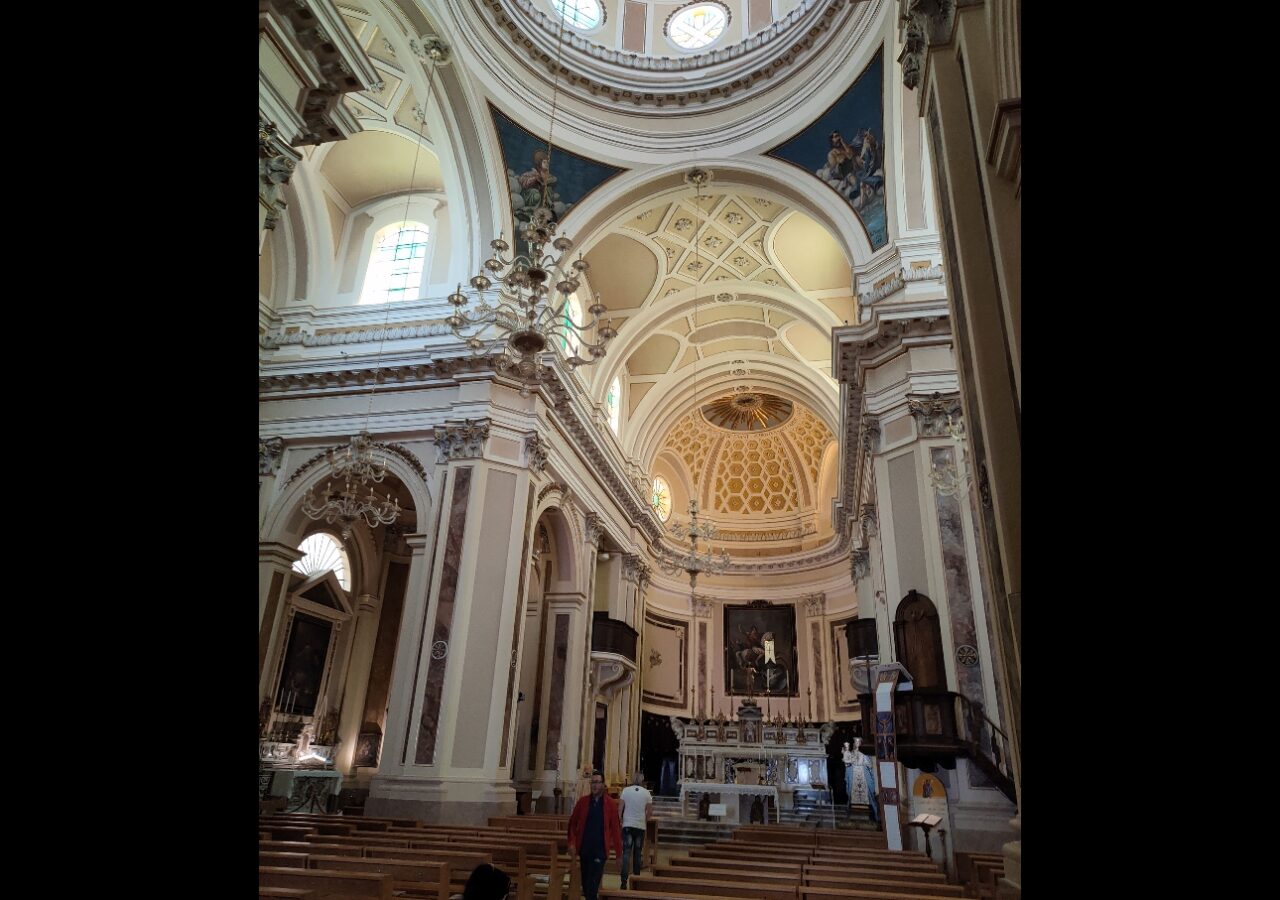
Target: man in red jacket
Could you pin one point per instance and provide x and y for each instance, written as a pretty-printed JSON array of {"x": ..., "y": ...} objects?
[{"x": 595, "y": 830}]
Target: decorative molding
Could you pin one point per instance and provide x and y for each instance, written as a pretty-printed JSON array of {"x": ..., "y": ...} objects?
[
  {"x": 276, "y": 162},
  {"x": 461, "y": 440},
  {"x": 432, "y": 50},
  {"x": 967, "y": 655},
  {"x": 1004, "y": 149},
  {"x": 655, "y": 658},
  {"x": 535, "y": 450},
  {"x": 869, "y": 434},
  {"x": 397, "y": 449},
  {"x": 931, "y": 413},
  {"x": 815, "y": 604},
  {"x": 703, "y": 607},
  {"x": 897, "y": 282},
  {"x": 925, "y": 24},
  {"x": 319, "y": 33},
  {"x": 269, "y": 452},
  {"x": 868, "y": 522},
  {"x": 769, "y": 534},
  {"x": 594, "y": 528},
  {"x": 393, "y": 537},
  {"x": 860, "y": 563},
  {"x": 592, "y": 70},
  {"x": 631, "y": 568},
  {"x": 274, "y": 340}
]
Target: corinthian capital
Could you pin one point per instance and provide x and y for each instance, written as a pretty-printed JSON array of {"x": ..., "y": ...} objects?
[
  {"x": 461, "y": 440},
  {"x": 860, "y": 561},
  {"x": 269, "y": 452}
]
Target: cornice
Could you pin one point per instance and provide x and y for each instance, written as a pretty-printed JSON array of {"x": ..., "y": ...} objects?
[{"x": 594, "y": 72}]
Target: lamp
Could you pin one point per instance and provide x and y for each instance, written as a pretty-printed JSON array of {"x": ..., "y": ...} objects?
[
  {"x": 695, "y": 562},
  {"x": 359, "y": 466},
  {"x": 525, "y": 318}
]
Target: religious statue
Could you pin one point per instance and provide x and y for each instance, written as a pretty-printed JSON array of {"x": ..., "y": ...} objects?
[
  {"x": 757, "y": 810},
  {"x": 704, "y": 807}
]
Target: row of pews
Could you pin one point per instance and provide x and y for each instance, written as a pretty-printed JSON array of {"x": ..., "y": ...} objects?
[
  {"x": 773, "y": 862},
  {"x": 980, "y": 873},
  {"x": 332, "y": 857}
]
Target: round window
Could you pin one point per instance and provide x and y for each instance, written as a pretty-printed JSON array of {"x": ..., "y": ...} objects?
[{"x": 698, "y": 25}]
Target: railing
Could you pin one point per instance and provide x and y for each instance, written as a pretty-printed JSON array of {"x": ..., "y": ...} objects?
[
  {"x": 933, "y": 724},
  {"x": 611, "y": 636}
]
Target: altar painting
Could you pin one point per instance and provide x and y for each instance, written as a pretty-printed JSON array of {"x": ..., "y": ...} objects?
[{"x": 760, "y": 650}]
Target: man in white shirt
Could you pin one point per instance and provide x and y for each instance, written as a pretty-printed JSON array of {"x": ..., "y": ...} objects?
[{"x": 636, "y": 804}]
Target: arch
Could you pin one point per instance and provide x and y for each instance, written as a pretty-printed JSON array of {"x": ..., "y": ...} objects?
[
  {"x": 563, "y": 543},
  {"x": 285, "y": 522}
]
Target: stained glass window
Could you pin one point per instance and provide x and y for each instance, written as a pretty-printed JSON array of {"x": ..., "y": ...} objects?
[{"x": 661, "y": 500}]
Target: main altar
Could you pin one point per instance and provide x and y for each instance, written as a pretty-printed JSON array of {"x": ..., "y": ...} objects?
[{"x": 752, "y": 756}]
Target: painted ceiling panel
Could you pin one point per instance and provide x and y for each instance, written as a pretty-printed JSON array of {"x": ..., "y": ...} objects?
[
  {"x": 654, "y": 356},
  {"x": 705, "y": 333},
  {"x": 622, "y": 271},
  {"x": 731, "y": 346},
  {"x": 808, "y": 342},
  {"x": 636, "y": 393},
  {"x": 810, "y": 255},
  {"x": 844, "y": 307},
  {"x": 373, "y": 163}
]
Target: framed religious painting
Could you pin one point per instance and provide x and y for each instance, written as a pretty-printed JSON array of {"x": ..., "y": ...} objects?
[{"x": 760, "y": 650}]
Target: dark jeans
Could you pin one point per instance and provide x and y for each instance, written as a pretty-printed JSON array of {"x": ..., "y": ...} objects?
[
  {"x": 632, "y": 843},
  {"x": 592, "y": 872}
]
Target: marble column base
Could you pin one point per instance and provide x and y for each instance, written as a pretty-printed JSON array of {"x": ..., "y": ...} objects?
[{"x": 439, "y": 801}]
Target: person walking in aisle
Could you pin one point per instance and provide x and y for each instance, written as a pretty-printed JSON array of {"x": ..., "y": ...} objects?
[
  {"x": 637, "y": 804},
  {"x": 595, "y": 833}
]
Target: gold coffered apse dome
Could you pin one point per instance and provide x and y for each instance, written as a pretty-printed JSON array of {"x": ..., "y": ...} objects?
[{"x": 747, "y": 411}]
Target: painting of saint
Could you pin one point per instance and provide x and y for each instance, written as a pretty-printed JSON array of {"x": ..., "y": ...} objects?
[
  {"x": 304, "y": 662},
  {"x": 535, "y": 171},
  {"x": 844, "y": 148},
  {"x": 760, "y": 650}
]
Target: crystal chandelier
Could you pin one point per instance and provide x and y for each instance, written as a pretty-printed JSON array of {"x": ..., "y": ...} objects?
[
  {"x": 357, "y": 468},
  {"x": 525, "y": 317},
  {"x": 951, "y": 479},
  {"x": 694, "y": 562}
]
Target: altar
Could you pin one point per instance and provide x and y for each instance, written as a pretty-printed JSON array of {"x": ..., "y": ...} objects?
[
  {"x": 721, "y": 753},
  {"x": 305, "y": 790},
  {"x": 734, "y": 797}
]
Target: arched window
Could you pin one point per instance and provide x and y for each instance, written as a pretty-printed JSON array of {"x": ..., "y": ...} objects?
[
  {"x": 396, "y": 264},
  {"x": 697, "y": 25},
  {"x": 613, "y": 403},
  {"x": 324, "y": 553},
  {"x": 661, "y": 500},
  {"x": 572, "y": 316},
  {"x": 581, "y": 14}
]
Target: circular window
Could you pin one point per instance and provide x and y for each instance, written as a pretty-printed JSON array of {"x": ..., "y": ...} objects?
[
  {"x": 581, "y": 14},
  {"x": 661, "y": 500},
  {"x": 697, "y": 25},
  {"x": 324, "y": 553}
]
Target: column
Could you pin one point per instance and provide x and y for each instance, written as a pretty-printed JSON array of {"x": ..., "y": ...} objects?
[
  {"x": 359, "y": 660},
  {"x": 456, "y": 687},
  {"x": 274, "y": 564}
]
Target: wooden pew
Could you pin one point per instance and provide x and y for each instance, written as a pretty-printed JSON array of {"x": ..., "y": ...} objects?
[
  {"x": 752, "y": 875},
  {"x": 422, "y": 878},
  {"x": 632, "y": 894},
  {"x": 266, "y": 893},
  {"x": 795, "y": 870},
  {"x": 283, "y": 860},
  {"x": 817, "y": 874},
  {"x": 327, "y": 884},
  {"x": 861, "y": 882},
  {"x": 308, "y": 847},
  {"x": 684, "y": 887},
  {"x": 819, "y": 893}
]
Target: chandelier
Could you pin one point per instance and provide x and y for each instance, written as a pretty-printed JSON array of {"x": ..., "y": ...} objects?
[
  {"x": 533, "y": 307},
  {"x": 695, "y": 562},
  {"x": 357, "y": 468}
]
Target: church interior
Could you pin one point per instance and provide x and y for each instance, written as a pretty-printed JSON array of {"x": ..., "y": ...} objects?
[{"x": 640, "y": 393}]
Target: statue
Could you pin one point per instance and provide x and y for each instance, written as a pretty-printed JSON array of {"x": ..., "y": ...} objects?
[{"x": 757, "y": 810}]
